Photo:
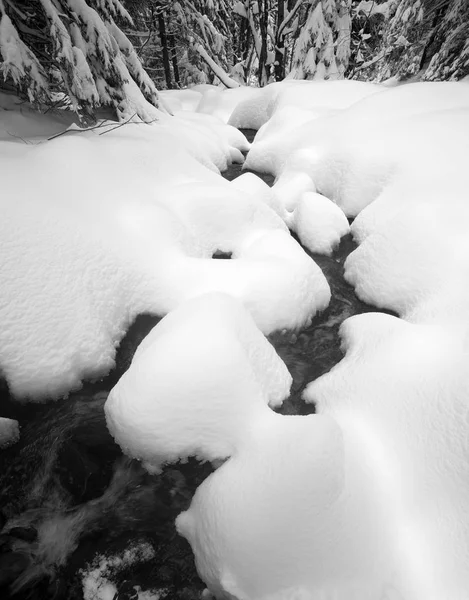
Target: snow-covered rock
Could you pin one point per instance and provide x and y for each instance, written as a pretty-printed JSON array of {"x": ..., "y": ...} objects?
[
  {"x": 285, "y": 518},
  {"x": 319, "y": 223},
  {"x": 195, "y": 384}
]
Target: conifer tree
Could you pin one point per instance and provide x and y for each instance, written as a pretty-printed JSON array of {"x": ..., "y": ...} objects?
[
  {"x": 322, "y": 48},
  {"x": 74, "y": 52}
]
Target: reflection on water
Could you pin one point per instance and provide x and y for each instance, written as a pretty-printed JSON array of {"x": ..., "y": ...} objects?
[{"x": 67, "y": 495}]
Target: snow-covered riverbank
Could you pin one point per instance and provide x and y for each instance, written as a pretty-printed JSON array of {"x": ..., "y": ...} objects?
[{"x": 343, "y": 501}]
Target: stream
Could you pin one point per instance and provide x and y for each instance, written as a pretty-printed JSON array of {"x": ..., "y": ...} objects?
[{"x": 68, "y": 497}]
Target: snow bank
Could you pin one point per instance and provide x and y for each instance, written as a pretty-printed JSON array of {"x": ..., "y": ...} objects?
[
  {"x": 9, "y": 432},
  {"x": 134, "y": 232},
  {"x": 195, "y": 384}
]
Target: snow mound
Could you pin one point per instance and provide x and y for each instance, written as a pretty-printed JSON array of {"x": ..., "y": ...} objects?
[
  {"x": 367, "y": 495},
  {"x": 322, "y": 95},
  {"x": 319, "y": 223},
  {"x": 221, "y": 102},
  {"x": 9, "y": 432},
  {"x": 177, "y": 100},
  {"x": 400, "y": 396},
  {"x": 136, "y": 233},
  {"x": 258, "y": 190},
  {"x": 253, "y": 112},
  {"x": 353, "y": 154},
  {"x": 317, "y": 97},
  {"x": 273, "y": 522},
  {"x": 195, "y": 384}
]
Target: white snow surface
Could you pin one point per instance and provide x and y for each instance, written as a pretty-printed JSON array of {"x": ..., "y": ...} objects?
[
  {"x": 400, "y": 396},
  {"x": 9, "y": 432},
  {"x": 366, "y": 499},
  {"x": 319, "y": 98},
  {"x": 195, "y": 384},
  {"x": 82, "y": 255},
  {"x": 319, "y": 223}
]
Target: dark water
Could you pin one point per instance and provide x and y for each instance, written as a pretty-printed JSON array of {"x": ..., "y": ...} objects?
[{"x": 67, "y": 494}]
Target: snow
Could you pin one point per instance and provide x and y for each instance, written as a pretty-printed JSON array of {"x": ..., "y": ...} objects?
[
  {"x": 195, "y": 383},
  {"x": 219, "y": 72},
  {"x": 9, "y": 432},
  {"x": 258, "y": 190},
  {"x": 319, "y": 223},
  {"x": 353, "y": 154},
  {"x": 18, "y": 60},
  {"x": 400, "y": 393},
  {"x": 221, "y": 103},
  {"x": 177, "y": 100},
  {"x": 135, "y": 233},
  {"x": 319, "y": 97},
  {"x": 266, "y": 524},
  {"x": 367, "y": 498}
]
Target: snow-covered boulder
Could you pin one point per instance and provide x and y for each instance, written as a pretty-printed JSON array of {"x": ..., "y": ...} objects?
[
  {"x": 319, "y": 223},
  {"x": 286, "y": 518},
  {"x": 195, "y": 384}
]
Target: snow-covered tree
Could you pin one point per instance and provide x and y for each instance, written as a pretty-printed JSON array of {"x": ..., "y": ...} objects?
[
  {"x": 74, "y": 52},
  {"x": 426, "y": 39},
  {"x": 322, "y": 49},
  {"x": 186, "y": 41}
]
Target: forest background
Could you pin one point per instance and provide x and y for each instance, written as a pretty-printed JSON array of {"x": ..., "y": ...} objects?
[{"x": 86, "y": 54}]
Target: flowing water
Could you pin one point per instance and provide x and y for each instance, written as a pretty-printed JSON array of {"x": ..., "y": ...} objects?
[{"x": 68, "y": 497}]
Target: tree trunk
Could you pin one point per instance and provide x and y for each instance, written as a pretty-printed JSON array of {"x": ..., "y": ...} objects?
[
  {"x": 174, "y": 58},
  {"x": 164, "y": 47},
  {"x": 263, "y": 23},
  {"x": 280, "y": 43}
]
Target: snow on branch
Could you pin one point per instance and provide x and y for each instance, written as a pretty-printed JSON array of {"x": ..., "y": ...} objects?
[
  {"x": 79, "y": 54},
  {"x": 219, "y": 72}
]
